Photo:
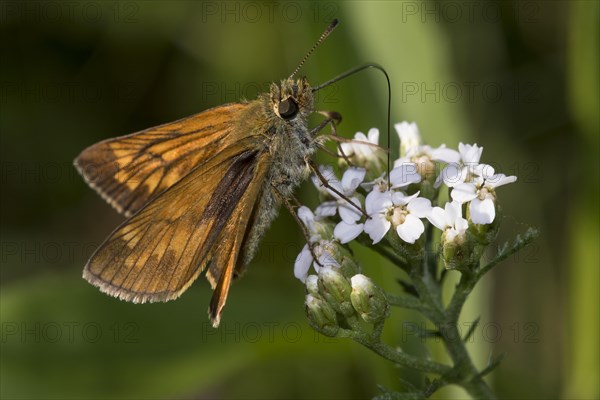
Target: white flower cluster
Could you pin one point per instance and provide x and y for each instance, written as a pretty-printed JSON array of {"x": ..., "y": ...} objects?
[{"x": 398, "y": 202}]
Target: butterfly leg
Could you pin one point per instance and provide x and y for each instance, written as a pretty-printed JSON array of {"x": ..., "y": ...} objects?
[
  {"x": 333, "y": 119},
  {"x": 315, "y": 169}
]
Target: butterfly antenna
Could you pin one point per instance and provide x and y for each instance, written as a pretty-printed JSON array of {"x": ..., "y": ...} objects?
[{"x": 329, "y": 29}]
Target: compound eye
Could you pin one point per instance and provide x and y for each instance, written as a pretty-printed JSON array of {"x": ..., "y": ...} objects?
[{"x": 288, "y": 108}]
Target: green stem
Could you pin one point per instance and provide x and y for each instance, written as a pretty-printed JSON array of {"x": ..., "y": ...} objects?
[
  {"x": 430, "y": 256},
  {"x": 398, "y": 357},
  {"x": 391, "y": 256},
  {"x": 521, "y": 241},
  {"x": 467, "y": 375},
  {"x": 428, "y": 295},
  {"x": 472, "y": 380},
  {"x": 423, "y": 273},
  {"x": 413, "y": 303},
  {"x": 408, "y": 302},
  {"x": 461, "y": 292},
  {"x": 464, "y": 372}
]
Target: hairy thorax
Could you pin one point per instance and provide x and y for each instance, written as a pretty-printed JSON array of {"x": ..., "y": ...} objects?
[{"x": 290, "y": 145}]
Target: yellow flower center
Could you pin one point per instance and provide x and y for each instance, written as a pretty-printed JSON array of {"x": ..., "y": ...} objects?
[
  {"x": 425, "y": 166},
  {"x": 396, "y": 215},
  {"x": 485, "y": 193}
]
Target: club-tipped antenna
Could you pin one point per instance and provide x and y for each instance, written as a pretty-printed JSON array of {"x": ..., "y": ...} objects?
[{"x": 329, "y": 29}]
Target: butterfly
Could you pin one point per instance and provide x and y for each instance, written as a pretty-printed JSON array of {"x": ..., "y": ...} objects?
[{"x": 200, "y": 192}]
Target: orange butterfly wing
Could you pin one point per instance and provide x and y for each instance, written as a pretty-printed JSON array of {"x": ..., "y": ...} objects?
[
  {"x": 128, "y": 171},
  {"x": 190, "y": 188},
  {"x": 156, "y": 254}
]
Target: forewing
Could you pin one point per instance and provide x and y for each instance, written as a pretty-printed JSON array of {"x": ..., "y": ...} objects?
[
  {"x": 161, "y": 250},
  {"x": 130, "y": 170}
]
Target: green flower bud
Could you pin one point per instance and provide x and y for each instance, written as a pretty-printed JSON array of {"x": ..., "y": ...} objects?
[
  {"x": 336, "y": 289},
  {"x": 321, "y": 316},
  {"x": 412, "y": 253},
  {"x": 348, "y": 266},
  {"x": 369, "y": 300},
  {"x": 461, "y": 252},
  {"x": 312, "y": 285}
]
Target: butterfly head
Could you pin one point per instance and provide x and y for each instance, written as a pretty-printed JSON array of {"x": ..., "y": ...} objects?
[{"x": 291, "y": 98}]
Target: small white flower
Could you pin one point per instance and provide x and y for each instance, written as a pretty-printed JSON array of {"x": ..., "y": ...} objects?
[
  {"x": 463, "y": 170},
  {"x": 410, "y": 138},
  {"x": 346, "y": 232},
  {"x": 327, "y": 173},
  {"x": 395, "y": 209},
  {"x": 311, "y": 220},
  {"x": 442, "y": 154},
  {"x": 419, "y": 155},
  {"x": 363, "y": 148},
  {"x": 380, "y": 183},
  {"x": 449, "y": 219},
  {"x": 400, "y": 177},
  {"x": 351, "y": 180},
  {"x": 349, "y": 228},
  {"x": 304, "y": 260},
  {"x": 480, "y": 193}
]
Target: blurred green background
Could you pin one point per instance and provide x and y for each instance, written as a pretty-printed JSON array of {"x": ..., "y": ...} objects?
[{"x": 519, "y": 78}]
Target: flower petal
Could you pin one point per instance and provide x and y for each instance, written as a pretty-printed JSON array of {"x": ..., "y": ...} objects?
[
  {"x": 326, "y": 209},
  {"x": 461, "y": 225},
  {"x": 346, "y": 232},
  {"x": 437, "y": 217},
  {"x": 409, "y": 136},
  {"x": 302, "y": 263},
  {"x": 452, "y": 175},
  {"x": 377, "y": 201},
  {"x": 373, "y": 135},
  {"x": 464, "y": 192},
  {"x": 327, "y": 172},
  {"x": 307, "y": 217},
  {"x": 453, "y": 212},
  {"x": 400, "y": 199},
  {"x": 499, "y": 180},
  {"x": 445, "y": 154},
  {"x": 351, "y": 179},
  {"x": 360, "y": 137},
  {"x": 401, "y": 160},
  {"x": 349, "y": 213},
  {"x": 470, "y": 154},
  {"x": 420, "y": 207},
  {"x": 411, "y": 229},
  {"x": 347, "y": 148},
  {"x": 376, "y": 227},
  {"x": 482, "y": 211},
  {"x": 438, "y": 180},
  {"x": 483, "y": 170},
  {"x": 404, "y": 175}
]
